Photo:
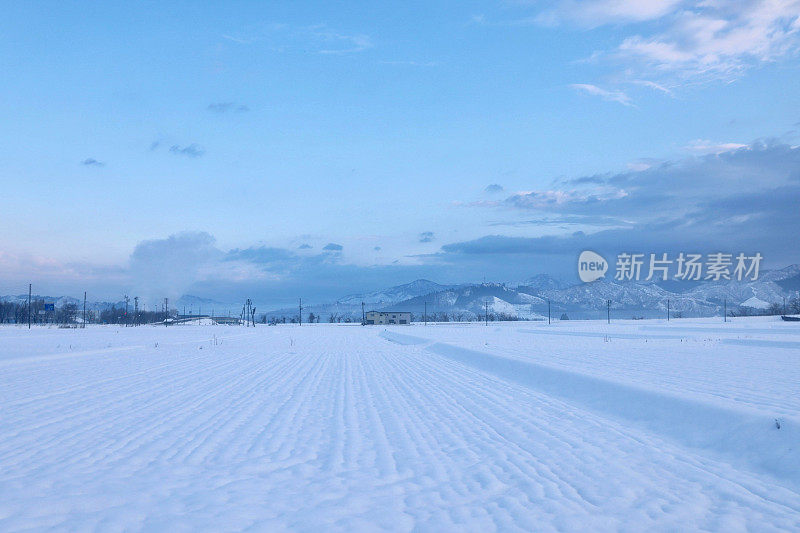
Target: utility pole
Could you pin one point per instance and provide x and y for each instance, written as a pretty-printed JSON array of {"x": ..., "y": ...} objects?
[
  {"x": 548, "y": 311},
  {"x": 608, "y": 311},
  {"x": 30, "y": 288},
  {"x": 84, "y": 309},
  {"x": 667, "y": 309},
  {"x": 301, "y": 311},
  {"x": 364, "y": 315},
  {"x": 135, "y": 311},
  {"x": 166, "y": 311},
  {"x": 126, "y": 309}
]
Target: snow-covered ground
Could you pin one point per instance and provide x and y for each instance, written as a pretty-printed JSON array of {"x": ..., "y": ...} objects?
[{"x": 637, "y": 425}]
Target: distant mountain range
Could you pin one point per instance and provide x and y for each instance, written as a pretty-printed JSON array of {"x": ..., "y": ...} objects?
[
  {"x": 396, "y": 294},
  {"x": 528, "y": 299}
]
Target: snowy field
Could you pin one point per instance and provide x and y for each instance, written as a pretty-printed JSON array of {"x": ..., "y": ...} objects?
[{"x": 574, "y": 426}]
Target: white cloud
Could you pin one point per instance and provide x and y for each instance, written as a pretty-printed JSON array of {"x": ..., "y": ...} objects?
[
  {"x": 318, "y": 38},
  {"x": 594, "y": 13},
  {"x": 556, "y": 198},
  {"x": 638, "y": 166},
  {"x": 611, "y": 96},
  {"x": 675, "y": 42},
  {"x": 717, "y": 40},
  {"x": 704, "y": 146},
  {"x": 653, "y": 85}
]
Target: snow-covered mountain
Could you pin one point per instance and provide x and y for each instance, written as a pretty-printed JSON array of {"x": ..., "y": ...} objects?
[
  {"x": 469, "y": 301},
  {"x": 391, "y": 295},
  {"x": 529, "y": 299}
]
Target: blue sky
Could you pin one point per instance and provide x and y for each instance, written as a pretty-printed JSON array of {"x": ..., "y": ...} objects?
[{"x": 233, "y": 142}]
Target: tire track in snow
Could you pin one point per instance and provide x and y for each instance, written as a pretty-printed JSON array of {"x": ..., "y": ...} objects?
[
  {"x": 759, "y": 492},
  {"x": 467, "y": 411}
]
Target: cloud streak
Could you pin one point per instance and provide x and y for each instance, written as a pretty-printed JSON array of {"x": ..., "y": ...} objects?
[
  {"x": 192, "y": 150},
  {"x": 703, "y": 146},
  {"x": 610, "y": 96},
  {"x": 593, "y": 13},
  {"x": 317, "y": 38},
  {"x": 227, "y": 107}
]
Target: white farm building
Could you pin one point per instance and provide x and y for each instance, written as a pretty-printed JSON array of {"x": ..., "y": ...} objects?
[{"x": 387, "y": 317}]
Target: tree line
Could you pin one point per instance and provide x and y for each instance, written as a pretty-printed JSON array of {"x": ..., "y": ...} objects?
[
  {"x": 345, "y": 318},
  {"x": 42, "y": 312}
]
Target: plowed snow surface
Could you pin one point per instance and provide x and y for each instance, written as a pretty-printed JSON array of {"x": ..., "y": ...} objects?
[{"x": 575, "y": 426}]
